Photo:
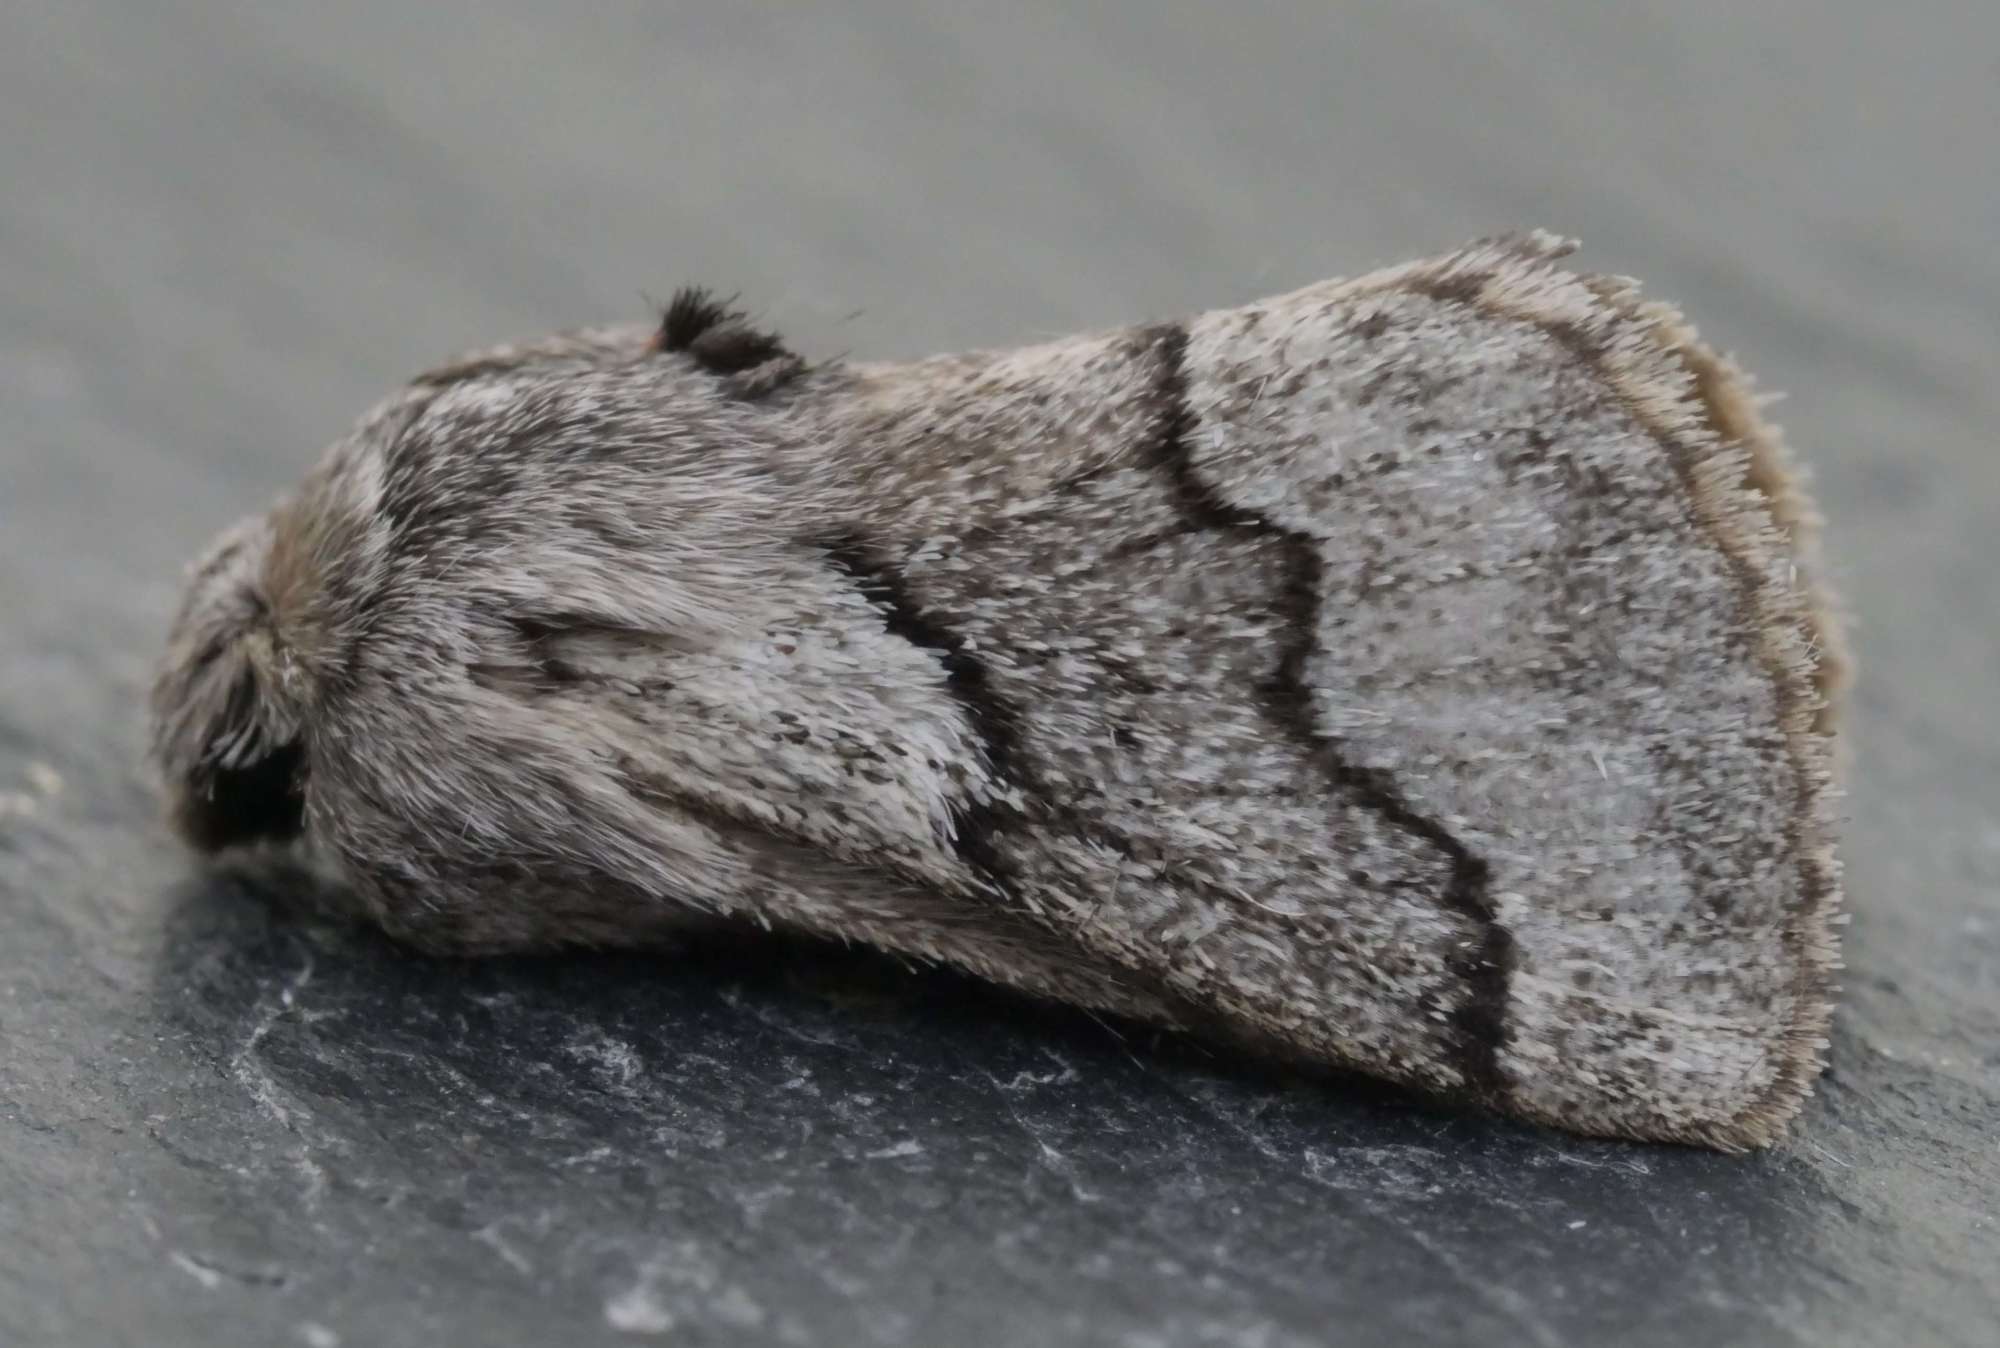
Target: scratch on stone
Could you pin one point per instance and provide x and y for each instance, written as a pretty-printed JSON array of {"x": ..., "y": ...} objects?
[
  {"x": 1513, "y": 1304},
  {"x": 1509, "y": 1302},
  {"x": 765, "y": 1017},
  {"x": 1259, "y": 1143},
  {"x": 1023, "y": 1079},
  {"x": 489, "y": 1235},
  {"x": 1051, "y": 1159},
  {"x": 195, "y": 1269},
  {"x": 249, "y": 1073},
  {"x": 1625, "y": 1165},
  {"x": 251, "y": 1076}
]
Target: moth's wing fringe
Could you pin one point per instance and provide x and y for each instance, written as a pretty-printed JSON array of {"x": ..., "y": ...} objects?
[{"x": 1750, "y": 497}]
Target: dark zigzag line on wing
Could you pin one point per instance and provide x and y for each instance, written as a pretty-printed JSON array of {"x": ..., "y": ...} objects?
[
  {"x": 1479, "y": 1023},
  {"x": 994, "y": 720},
  {"x": 1818, "y": 887},
  {"x": 996, "y": 723}
]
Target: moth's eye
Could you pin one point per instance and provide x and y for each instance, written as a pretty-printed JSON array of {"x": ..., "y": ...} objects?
[{"x": 208, "y": 655}]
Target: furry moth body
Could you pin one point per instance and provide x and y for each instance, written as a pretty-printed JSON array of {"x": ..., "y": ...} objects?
[{"x": 1421, "y": 673}]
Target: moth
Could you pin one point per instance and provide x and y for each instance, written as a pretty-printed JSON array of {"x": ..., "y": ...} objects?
[{"x": 1423, "y": 673}]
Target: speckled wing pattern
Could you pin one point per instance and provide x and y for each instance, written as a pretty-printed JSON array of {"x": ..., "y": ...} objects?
[
  {"x": 1421, "y": 673},
  {"x": 1415, "y": 671}
]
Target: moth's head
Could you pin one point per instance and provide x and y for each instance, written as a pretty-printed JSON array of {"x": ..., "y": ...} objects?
[{"x": 226, "y": 734}]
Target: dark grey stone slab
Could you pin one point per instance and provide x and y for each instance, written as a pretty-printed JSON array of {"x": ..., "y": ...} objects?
[{"x": 226, "y": 227}]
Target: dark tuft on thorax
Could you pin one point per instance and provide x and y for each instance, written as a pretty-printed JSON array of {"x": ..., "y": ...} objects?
[{"x": 721, "y": 340}]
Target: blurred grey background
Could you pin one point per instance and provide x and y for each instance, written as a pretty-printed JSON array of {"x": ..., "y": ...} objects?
[{"x": 227, "y": 227}]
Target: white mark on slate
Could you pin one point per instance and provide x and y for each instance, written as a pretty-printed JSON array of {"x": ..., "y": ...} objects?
[
  {"x": 197, "y": 1270},
  {"x": 695, "y": 1291},
  {"x": 909, "y": 1146},
  {"x": 1024, "y": 1079},
  {"x": 637, "y": 1310},
  {"x": 1052, "y": 1159},
  {"x": 249, "y": 1073},
  {"x": 315, "y": 1177},
  {"x": 733, "y": 1306},
  {"x": 1509, "y": 1301},
  {"x": 618, "y": 1065},
  {"x": 1628, "y": 1165},
  {"x": 318, "y": 1336},
  {"x": 489, "y": 1235}
]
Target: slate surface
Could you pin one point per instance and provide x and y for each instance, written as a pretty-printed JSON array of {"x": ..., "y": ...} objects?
[{"x": 227, "y": 227}]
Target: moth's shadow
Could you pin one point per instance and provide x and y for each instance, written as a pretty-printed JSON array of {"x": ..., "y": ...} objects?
[
  {"x": 700, "y": 1081},
  {"x": 256, "y": 954}
]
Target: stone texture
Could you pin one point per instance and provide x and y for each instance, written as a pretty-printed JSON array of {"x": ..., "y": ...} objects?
[{"x": 228, "y": 226}]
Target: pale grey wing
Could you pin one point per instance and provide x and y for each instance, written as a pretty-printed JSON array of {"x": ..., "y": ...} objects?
[
  {"x": 1419, "y": 679},
  {"x": 1135, "y": 649},
  {"x": 1562, "y": 606}
]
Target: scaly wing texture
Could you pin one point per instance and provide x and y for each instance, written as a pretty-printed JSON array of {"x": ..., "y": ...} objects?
[
  {"x": 1418, "y": 670},
  {"x": 1419, "y": 673}
]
